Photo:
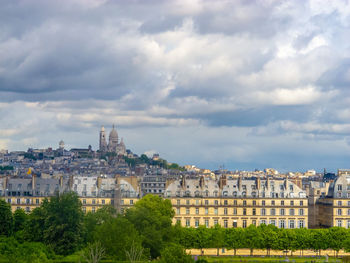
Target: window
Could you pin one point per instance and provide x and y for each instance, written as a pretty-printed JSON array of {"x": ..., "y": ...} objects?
[
  {"x": 235, "y": 202},
  {"x": 178, "y": 211},
  {"x": 301, "y": 212},
  {"x": 348, "y": 224},
  {"x": 339, "y": 212},
  {"x": 273, "y": 222},
  {"x": 244, "y": 225},
  {"x": 235, "y": 211},
  {"x": 348, "y": 212},
  {"x": 339, "y": 223},
  {"x": 27, "y": 201},
  {"x": 197, "y": 202},
  {"x": 131, "y": 202},
  {"x": 282, "y": 224},
  {"x": 93, "y": 210},
  {"x": 244, "y": 203},
  {"x": 187, "y": 202},
  {"x": 178, "y": 221},
  {"x": 254, "y": 211},
  {"x": 254, "y": 202},
  {"x": 340, "y": 187},
  {"x": 103, "y": 201},
  {"x": 225, "y": 223},
  {"x": 254, "y": 222},
  {"x": 301, "y": 223},
  {"x": 225, "y": 211},
  {"x": 9, "y": 200},
  {"x": 93, "y": 201},
  {"x": 178, "y": 202},
  {"x": 216, "y": 202},
  {"x": 291, "y": 224},
  {"x": 206, "y": 223},
  {"x": 84, "y": 209},
  {"x": 188, "y": 222},
  {"x": 37, "y": 201},
  {"x": 234, "y": 223},
  {"x": 206, "y": 202},
  {"x": 225, "y": 202},
  {"x": 291, "y": 202},
  {"x": 197, "y": 211},
  {"x": 282, "y": 211},
  {"x": 206, "y": 210},
  {"x": 272, "y": 202},
  {"x": 263, "y": 222},
  {"x": 339, "y": 203},
  {"x": 27, "y": 209},
  {"x": 122, "y": 202},
  {"x": 196, "y": 223},
  {"x": 216, "y": 222},
  {"x": 263, "y": 211},
  {"x": 291, "y": 212},
  {"x": 301, "y": 203},
  {"x": 272, "y": 211},
  {"x": 215, "y": 211},
  {"x": 282, "y": 202},
  {"x": 244, "y": 211},
  {"x": 18, "y": 201},
  {"x": 187, "y": 211},
  {"x": 263, "y": 203}
]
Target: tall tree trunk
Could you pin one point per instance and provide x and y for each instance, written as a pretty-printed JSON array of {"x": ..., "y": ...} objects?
[
  {"x": 251, "y": 251},
  {"x": 201, "y": 251},
  {"x": 217, "y": 251},
  {"x": 235, "y": 251}
]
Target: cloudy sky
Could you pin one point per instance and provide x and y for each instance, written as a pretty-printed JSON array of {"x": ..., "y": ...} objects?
[{"x": 247, "y": 84}]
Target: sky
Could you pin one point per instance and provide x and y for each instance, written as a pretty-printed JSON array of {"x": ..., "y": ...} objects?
[{"x": 244, "y": 84}]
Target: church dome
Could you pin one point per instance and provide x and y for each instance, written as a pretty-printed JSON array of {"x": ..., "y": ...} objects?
[{"x": 113, "y": 136}]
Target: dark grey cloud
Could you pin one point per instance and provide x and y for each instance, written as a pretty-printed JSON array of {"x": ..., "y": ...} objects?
[{"x": 260, "y": 69}]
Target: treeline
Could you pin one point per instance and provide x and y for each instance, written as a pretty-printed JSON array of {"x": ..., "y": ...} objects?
[
  {"x": 266, "y": 237},
  {"x": 59, "y": 228},
  {"x": 143, "y": 159}
]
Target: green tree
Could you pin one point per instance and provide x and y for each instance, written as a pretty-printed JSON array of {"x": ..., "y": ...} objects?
[
  {"x": 92, "y": 220},
  {"x": 20, "y": 219},
  {"x": 269, "y": 237},
  {"x": 34, "y": 230},
  {"x": 117, "y": 236},
  {"x": 337, "y": 235},
  {"x": 302, "y": 239},
  {"x": 217, "y": 238},
  {"x": 174, "y": 253},
  {"x": 202, "y": 238},
  {"x": 152, "y": 217},
  {"x": 319, "y": 240},
  {"x": 233, "y": 238},
  {"x": 6, "y": 219},
  {"x": 63, "y": 228},
  {"x": 252, "y": 238}
]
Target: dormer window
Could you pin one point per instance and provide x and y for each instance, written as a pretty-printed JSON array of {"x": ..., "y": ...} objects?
[{"x": 340, "y": 187}]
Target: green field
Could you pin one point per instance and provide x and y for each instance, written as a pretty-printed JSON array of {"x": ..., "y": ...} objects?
[{"x": 269, "y": 259}]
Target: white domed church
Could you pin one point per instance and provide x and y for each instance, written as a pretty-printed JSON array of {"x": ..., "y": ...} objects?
[{"x": 113, "y": 146}]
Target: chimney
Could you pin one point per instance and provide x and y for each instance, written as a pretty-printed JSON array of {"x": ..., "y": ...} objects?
[
  {"x": 201, "y": 181},
  {"x": 71, "y": 180},
  {"x": 183, "y": 182},
  {"x": 33, "y": 181},
  {"x": 222, "y": 181},
  {"x": 99, "y": 182},
  {"x": 61, "y": 181},
  {"x": 239, "y": 183},
  {"x": 257, "y": 181}
]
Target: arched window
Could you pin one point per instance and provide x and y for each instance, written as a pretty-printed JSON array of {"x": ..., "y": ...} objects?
[
  {"x": 215, "y": 193},
  {"x": 244, "y": 194},
  {"x": 197, "y": 193},
  {"x": 207, "y": 193},
  {"x": 253, "y": 194},
  {"x": 234, "y": 194},
  {"x": 224, "y": 193}
]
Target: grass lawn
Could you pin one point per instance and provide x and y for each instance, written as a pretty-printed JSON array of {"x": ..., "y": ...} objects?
[{"x": 269, "y": 259}]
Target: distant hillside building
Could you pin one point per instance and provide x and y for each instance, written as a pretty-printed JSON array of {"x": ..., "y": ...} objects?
[{"x": 113, "y": 146}]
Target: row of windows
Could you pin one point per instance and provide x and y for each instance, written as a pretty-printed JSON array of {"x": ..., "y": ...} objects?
[
  {"x": 345, "y": 224},
  {"x": 340, "y": 212},
  {"x": 253, "y": 211},
  {"x": 340, "y": 203},
  {"x": 29, "y": 201},
  {"x": 234, "y": 194},
  {"x": 244, "y": 203},
  {"x": 279, "y": 223}
]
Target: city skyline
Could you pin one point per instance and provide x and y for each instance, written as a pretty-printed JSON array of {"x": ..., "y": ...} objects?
[{"x": 247, "y": 84}]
